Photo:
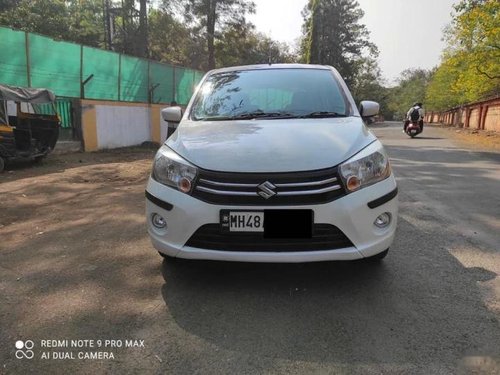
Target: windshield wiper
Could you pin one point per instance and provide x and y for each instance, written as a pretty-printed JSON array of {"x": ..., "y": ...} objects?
[
  {"x": 272, "y": 115},
  {"x": 322, "y": 114},
  {"x": 250, "y": 116},
  {"x": 261, "y": 114}
]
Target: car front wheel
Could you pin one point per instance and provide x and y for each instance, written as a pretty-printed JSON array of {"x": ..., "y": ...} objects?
[
  {"x": 378, "y": 257},
  {"x": 167, "y": 257}
]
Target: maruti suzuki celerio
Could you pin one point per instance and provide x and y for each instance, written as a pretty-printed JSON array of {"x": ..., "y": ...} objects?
[{"x": 272, "y": 163}]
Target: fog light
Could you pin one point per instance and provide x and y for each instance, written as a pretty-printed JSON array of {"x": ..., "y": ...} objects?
[
  {"x": 383, "y": 220},
  {"x": 158, "y": 221}
]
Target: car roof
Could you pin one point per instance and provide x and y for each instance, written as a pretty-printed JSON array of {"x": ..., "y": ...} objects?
[{"x": 270, "y": 66}]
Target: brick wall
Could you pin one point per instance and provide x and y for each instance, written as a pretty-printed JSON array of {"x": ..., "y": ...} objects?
[{"x": 484, "y": 115}]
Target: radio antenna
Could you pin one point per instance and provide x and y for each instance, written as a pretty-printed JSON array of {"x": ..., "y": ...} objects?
[{"x": 269, "y": 49}]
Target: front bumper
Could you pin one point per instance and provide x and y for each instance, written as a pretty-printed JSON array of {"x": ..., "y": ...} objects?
[{"x": 351, "y": 214}]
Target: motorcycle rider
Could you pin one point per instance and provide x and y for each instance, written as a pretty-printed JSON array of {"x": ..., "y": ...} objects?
[{"x": 415, "y": 113}]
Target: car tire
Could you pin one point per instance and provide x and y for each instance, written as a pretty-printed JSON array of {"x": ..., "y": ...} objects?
[
  {"x": 378, "y": 257},
  {"x": 2, "y": 164},
  {"x": 167, "y": 257}
]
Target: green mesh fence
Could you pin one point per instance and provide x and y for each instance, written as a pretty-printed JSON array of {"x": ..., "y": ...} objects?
[
  {"x": 184, "y": 81},
  {"x": 102, "y": 69},
  {"x": 133, "y": 79},
  {"x": 162, "y": 80},
  {"x": 62, "y": 67},
  {"x": 62, "y": 107},
  {"x": 13, "y": 57},
  {"x": 54, "y": 65}
]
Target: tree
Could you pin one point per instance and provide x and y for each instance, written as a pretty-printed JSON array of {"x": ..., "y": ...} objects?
[
  {"x": 412, "y": 86},
  {"x": 78, "y": 21},
  {"x": 333, "y": 35},
  {"x": 129, "y": 25},
  {"x": 158, "y": 32},
  {"x": 8, "y": 4},
  {"x": 469, "y": 70},
  {"x": 171, "y": 41},
  {"x": 440, "y": 91},
  {"x": 240, "y": 44},
  {"x": 49, "y": 17},
  {"x": 369, "y": 85},
  {"x": 86, "y": 22},
  {"x": 142, "y": 40},
  {"x": 210, "y": 14}
]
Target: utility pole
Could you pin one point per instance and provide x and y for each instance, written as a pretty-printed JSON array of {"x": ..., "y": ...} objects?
[
  {"x": 126, "y": 28},
  {"x": 142, "y": 47},
  {"x": 109, "y": 24}
]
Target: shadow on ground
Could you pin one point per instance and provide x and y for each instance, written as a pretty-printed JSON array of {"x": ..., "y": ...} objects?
[{"x": 417, "y": 304}]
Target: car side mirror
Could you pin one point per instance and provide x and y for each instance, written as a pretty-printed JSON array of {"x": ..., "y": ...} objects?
[
  {"x": 368, "y": 108},
  {"x": 172, "y": 114}
]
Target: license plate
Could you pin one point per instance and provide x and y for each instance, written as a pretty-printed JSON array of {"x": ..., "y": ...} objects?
[{"x": 242, "y": 221}]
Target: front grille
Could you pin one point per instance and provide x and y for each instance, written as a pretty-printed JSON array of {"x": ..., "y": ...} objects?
[
  {"x": 324, "y": 237},
  {"x": 291, "y": 188}
]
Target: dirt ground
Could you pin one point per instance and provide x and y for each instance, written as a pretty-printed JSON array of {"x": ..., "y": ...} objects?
[
  {"x": 480, "y": 140},
  {"x": 55, "y": 222}
]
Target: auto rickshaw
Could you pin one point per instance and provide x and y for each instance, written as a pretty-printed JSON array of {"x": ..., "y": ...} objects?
[{"x": 29, "y": 124}]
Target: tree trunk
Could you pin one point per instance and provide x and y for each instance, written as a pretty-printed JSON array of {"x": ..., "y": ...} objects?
[
  {"x": 314, "y": 51},
  {"x": 143, "y": 29},
  {"x": 211, "y": 18}
]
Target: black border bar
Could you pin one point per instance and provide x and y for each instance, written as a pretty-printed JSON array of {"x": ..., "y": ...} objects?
[
  {"x": 165, "y": 205},
  {"x": 383, "y": 199}
]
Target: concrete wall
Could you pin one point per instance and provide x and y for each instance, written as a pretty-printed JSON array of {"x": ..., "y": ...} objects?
[
  {"x": 121, "y": 126},
  {"x": 474, "y": 117},
  {"x": 163, "y": 129},
  {"x": 492, "y": 120},
  {"x": 108, "y": 124},
  {"x": 483, "y": 115}
]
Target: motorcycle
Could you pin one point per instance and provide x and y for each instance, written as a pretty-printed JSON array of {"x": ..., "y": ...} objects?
[{"x": 413, "y": 129}]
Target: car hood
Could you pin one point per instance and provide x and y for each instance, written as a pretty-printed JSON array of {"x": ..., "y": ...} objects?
[{"x": 284, "y": 145}]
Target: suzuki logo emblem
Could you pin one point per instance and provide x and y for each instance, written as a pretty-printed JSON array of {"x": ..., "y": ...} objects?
[{"x": 266, "y": 190}]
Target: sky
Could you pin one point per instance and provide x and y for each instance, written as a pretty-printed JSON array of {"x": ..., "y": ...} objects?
[{"x": 402, "y": 44}]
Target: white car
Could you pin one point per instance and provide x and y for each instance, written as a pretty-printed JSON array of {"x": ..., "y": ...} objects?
[{"x": 272, "y": 163}]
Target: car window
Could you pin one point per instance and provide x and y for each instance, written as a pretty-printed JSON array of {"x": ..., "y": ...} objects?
[{"x": 295, "y": 92}]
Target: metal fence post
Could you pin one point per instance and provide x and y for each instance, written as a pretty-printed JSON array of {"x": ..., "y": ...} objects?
[
  {"x": 28, "y": 57},
  {"x": 150, "y": 93},
  {"x": 119, "y": 75},
  {"x": 81, "y": 72},
  {"x": 174, "y": 86}
]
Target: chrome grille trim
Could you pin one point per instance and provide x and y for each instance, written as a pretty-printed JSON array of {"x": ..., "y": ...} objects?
[
  {"x": 255, "y": 194},
  {"x": 228, "y": 184},
  {"x": 313, "y": 183},
  {"x": 307, "y": 192},
  {"x": 226, "y": 192}
]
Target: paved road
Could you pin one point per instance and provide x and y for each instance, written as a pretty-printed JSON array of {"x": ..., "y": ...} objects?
[{"x": 433, "y": 305}]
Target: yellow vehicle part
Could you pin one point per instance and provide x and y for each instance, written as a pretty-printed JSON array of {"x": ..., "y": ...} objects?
[{"x": 4, "y": 128}]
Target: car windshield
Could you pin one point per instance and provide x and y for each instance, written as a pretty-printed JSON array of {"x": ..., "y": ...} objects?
[{"x": 270, "y": 94}]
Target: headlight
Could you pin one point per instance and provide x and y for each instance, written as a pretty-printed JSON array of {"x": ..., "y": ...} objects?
[
  {"x": 367, "y": 167},
  {"x": 172, "y": 170}
]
